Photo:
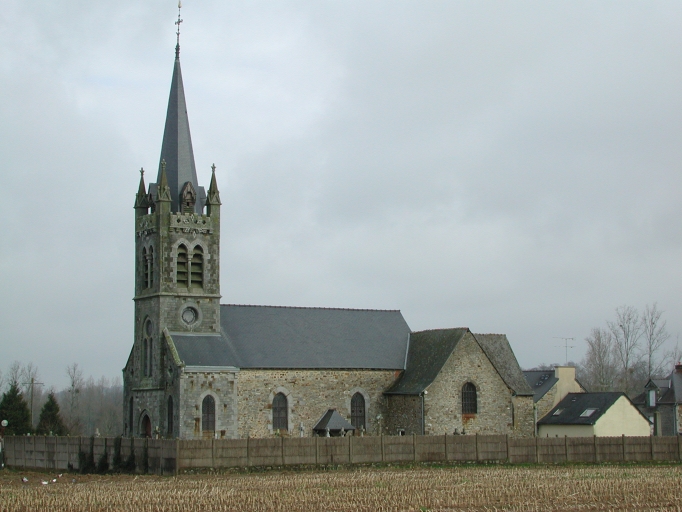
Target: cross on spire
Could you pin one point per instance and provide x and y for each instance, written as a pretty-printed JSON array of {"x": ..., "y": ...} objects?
[{"x": 177, "y": 45}]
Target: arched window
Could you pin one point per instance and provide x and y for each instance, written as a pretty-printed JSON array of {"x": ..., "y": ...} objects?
[
  {"x": 145, "y": 356},
  {"x": 145, "y": 267},
  {"x": 280, "y": 414},
  {"x": 181, "y": 266},
  {"x": 357, "y": 411},
  {"x": 208, "y": 414},
  {"x": 198, "y": 268},
  {"x": 130, "y": 416},
  {"x": 150, "y": 344},
  {"x": 469, "y": 401},
  {"x": 150, "y": 267},
  {"x": 169, "y": 423}
]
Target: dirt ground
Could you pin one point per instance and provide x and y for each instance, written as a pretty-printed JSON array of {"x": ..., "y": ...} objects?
[{"x": 471, "y": 487}]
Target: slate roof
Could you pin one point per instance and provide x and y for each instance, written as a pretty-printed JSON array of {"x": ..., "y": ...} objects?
[
  {"x": 428, "y": 352},
  {"x": 176, "y": 148},
  {"x": 500, "y": 353},
  {"x": 540, "y": 382},
  {"x": 333, "y": 421},
  {"x": 576, "y": 403},
  {"x": 294, "y": 337},
  {"x": 669, "y": 390}
]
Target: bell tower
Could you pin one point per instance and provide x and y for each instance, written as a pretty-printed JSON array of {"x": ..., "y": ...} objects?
[{"x": 177, "y": 268}]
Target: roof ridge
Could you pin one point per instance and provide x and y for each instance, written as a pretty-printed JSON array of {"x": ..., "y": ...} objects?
[
  {"x": 312, "y": 307},
  {"x": 441, "y": 329}
]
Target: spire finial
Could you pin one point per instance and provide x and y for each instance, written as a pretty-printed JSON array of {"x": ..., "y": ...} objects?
[
  {"x": 177, "y": 45},
  {"x": 142, "y": 172},
  {"x": 213, "y": 168}
]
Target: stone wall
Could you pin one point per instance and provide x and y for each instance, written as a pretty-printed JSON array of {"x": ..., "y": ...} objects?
[
  {"x": 547, "y": 402},
  {"x": 194, "y": 387},
  {"x": 443, "y": 403},
  {"x": 310, "y": 393},
  {"x": 403, "y": 415}
]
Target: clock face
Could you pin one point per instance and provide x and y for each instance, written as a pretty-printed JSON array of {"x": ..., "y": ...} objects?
[{"x": 189, "y": 315}]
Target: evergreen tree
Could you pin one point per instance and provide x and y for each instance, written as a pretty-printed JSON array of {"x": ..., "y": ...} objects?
[
  {"x": 50, "y": 420},
  {"x": 14, "y": 409}
]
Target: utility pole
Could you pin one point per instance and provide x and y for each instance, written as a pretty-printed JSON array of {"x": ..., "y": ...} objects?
[
  {"x": 566, "y": 346},
  {"x": 33, "y": 383}
]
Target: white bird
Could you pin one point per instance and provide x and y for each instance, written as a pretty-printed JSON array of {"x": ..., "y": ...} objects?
[
  {"x": 24, "y": 479},
  {"x": 44, "y": 483},
  {"x": 54, "y": 480}
]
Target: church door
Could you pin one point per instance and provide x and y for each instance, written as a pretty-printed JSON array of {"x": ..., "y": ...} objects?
[{"x": 146, "y": 429}]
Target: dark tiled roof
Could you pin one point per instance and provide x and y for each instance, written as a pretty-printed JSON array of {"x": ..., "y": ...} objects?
[
  {"x": 289, "y": 337},
  {"x": 429, "y": 350},
  {"x": 576, "y": 403},
  {"x": 498, "y": 350},
  {"x": 540, "y": 382},
  {"x": 333, "y": 421}
]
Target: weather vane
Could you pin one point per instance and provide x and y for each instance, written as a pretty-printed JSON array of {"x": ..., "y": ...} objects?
[{"x": 177, "y": 45}]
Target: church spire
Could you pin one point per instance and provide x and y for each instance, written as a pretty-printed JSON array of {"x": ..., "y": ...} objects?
[{"x": 176, "y": 149}]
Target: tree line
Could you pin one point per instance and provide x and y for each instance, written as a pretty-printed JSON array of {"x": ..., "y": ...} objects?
[
  {"x": 86, "y": 407},
  {"x": 627, "y": 351}
]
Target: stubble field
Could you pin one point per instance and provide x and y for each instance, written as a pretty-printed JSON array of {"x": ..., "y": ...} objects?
[{"x": 359, "y": 489}]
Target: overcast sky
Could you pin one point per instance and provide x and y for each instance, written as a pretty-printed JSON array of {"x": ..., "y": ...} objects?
[{"x": 511, "y": 167}]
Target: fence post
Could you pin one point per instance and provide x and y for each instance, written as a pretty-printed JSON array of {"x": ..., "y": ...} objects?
[
  {"x": 446, "y": 445},
  {"x": 679, "y": 450},
  {"x": 651, "y": 447},
  {"x": 414, "y": 447},
  {"x": 506, "y": 441},
  {"x": 566, "y": 447},
  {"x": 596, "y": 451},
  {"x": 623, "y": 441},
  {"x": 248, "y": 451},
  {"x": 317, "y": 450},
  {"x": 281, "y": 447},
  {"x": 382, "y": 446},
  {"x": 177, "y": 456},
  {"x": 350, "y": 449},
  {"x": 537, "y": 451},
  {"x": 476, "y": 446}
]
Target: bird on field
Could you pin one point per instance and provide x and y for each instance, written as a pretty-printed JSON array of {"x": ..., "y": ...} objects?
[{"x": 24, "y": 479}]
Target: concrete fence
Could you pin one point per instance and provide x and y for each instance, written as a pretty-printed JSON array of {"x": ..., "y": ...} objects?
[{"x": 167, "y": 456}]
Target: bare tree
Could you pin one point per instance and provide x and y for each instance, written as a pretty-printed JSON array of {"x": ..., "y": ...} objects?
[
  {"x": 626, "y": 331},
  {"x": 76, "y": 382},
  {"x": 599, "y": 364},
  {"x": 655, "y": 335},
  {"x": 14, "y": 374}
]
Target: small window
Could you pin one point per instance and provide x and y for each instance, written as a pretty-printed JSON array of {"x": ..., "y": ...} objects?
[
  {"x": 280, "y": 419},
  {"x": 652, "y": 398},
  {"x": 181, "y": 266},
  {"x": 130, "y": 416},
  {"x": 557, "y": 412},
  {"x": 208, "y": 414},
  {"x": 169, "y": 423},
  {"x": 150, "y": 267},
  {"x": 198, "y": 268},
  {"x": 145, "y": 267},
  {"x": 587, "y": 413},
  {"x": 469, "y": 399},
  {"x": 145, "y": 356},
  {"x": 357, "y": 411}
]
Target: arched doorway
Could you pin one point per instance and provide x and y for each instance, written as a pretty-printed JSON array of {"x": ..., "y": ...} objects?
[{"x": 146, "y": 427}]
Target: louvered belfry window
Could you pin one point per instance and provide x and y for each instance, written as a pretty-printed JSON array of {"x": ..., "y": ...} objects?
[
  {"x": 181, "y": 266},
  {"x": 197, "y": 268},
  {"x": 280, "y": 420},
  {"x": 469, "y": 401},
  {"x": 208, "y": 414},
  {"x": 357, "y": 411}
]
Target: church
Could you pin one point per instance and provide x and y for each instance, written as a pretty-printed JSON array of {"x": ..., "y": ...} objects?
[{"x": 201, "y": 369}]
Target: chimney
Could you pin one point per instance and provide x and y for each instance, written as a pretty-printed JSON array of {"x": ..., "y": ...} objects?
[{"x": 678, "y": 367}]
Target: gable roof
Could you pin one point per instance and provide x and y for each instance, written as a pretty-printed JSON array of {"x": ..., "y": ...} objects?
[
  {"x": 501, "y": 355},
  {"x": 428, "y": 352},
  {"x": 295, "y": 337},
  {"x": 540, "y": 381},
  {"x": 333, "y": 421},
  {"x": 575, "y": 404}
]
